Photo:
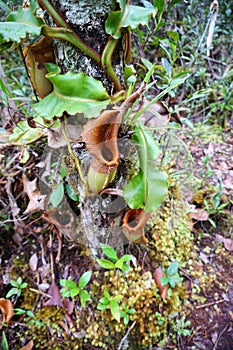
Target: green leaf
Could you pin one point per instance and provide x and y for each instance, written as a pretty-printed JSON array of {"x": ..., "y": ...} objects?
[
  {"x": 123, "y": 259},
  {"x": 102, "y": 306},
  {"x": 84, "y": 279},
  {"x": 106, "y": 264},
  {"x": 117, "y": 297},
  {"x": 109, "y": 252},
  {"x": 75, "y": 291},
  {"x": 4, "y": 341},
  {"x": 57, "y": 195},
  {"x": 84, "y": 297},
  {"x": 106, "y": 294},
  {"x": 4, "y": 7},
  {"x": 173, "y": 268},
  {"x": 104, "y": 301},
  {"x": 24, "y": 16},
  {"x": 23, "y": 133},
  {"x": 125, "y": 268},
  {"x": 173, "y": 35},
  {"x": 68, "y": 284},
  {"x": 164, "y": 280},
  {"x": 148, "y": 188},
  {"x": 11, "y": 292},
  {"x": 114, "y": 307},
  {"x": 71, "y": 194},
  {"x": 73, "y": 93},
  {"x": 10, "y": 31},
  {"x": 129, "y": 17},
  {"x": 126, "y": 319}
]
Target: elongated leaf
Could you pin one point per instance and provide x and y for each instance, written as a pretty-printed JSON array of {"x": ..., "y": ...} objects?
[
  {"x": 109, "y": 252},
  {"x": 129, "y": 16},
  {"x": 57, "y": 195},
  {"x": 148, "y": 188},
  {"x": 84, "y": 279},
  {"x": 73, "y": 93},
  {"x": 106, "y": 264},
  {"x": 10, "y": 31},
  {"x": 114, "y": 307},
  {"x": 84, "y": 297},
  {"x": 4, "y": 6},
  {"x": 4, "y": 341},
  {"x": 23, "y": 133}
]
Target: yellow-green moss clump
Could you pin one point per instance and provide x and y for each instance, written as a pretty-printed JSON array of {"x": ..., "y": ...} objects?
[
  {"x": 170, "y": 236},
  {"x": 140, "y": 293}
]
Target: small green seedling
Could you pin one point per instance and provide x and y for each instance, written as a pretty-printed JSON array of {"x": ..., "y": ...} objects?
[
  {"x": 160, "y": 318},
  {"x": 71, "y": 289},
  {"x": 114, "y": 262},
  {"x": 17, "y": 287},
  {"x": 181, "y": 327},
  {"x": 111, "y": 303},
  {"x": 171, "y": 276},
  {"x": 30, "y": 314},
  {"x": 126, "y": 313}
]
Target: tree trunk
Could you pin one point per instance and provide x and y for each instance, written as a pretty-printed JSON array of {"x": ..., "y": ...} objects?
[{"x": 100, "y": 218}]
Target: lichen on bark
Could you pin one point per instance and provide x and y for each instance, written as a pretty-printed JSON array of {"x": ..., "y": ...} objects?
[{"x": 87, "y": 20}]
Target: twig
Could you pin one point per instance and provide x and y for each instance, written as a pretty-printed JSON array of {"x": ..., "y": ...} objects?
[
  {"x": 126, "y": 335},
  {"x": 40, "y": 292},
  {"x": 220, "y": 334},
  {"x": 210, "y": 304}
]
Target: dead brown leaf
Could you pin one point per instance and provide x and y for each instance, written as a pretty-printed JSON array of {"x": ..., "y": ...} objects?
[
  {"x": 158, "y": 274},
  {"x": 33, "y": 262},
  {"x": 7, "y": 309},
  {"x": 55, "y": 299},
  {"x": 28, "y": 346},
  {"x": 228, "y": 243},
  {"x": 36, "y": 199},
  {"x": 199, "y": 214}
]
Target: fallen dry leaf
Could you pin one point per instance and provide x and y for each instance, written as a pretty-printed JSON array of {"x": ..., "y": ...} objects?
[
  {"x": 36, "y": 199},
  {"x": 33, "y": 262},
  {"x": 7, "y": 309},
  {"x": 28, "y": 346},
  {"x": 199, "y": 214},
  {"x": 158, "y": 274},
  {"x": 55, "y": 299},
  {"x": 228, "y": 243}
]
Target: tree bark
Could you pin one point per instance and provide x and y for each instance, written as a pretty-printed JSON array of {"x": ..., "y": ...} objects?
[{"x": 100, "y": 218}]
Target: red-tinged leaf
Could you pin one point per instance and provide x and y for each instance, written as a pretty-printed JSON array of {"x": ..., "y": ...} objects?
[
  {"x": 228, "y": 243},
  {"x": 199, "y": 215},
  {"x": 158, "y": 274},
  {"x": 28, "y": 346},
  {"x": 55, "y": 299},
  {"x": 7, "y": 309}
]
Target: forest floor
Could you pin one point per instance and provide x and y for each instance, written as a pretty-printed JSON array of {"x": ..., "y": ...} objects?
[{"x": 33, "y": 248}]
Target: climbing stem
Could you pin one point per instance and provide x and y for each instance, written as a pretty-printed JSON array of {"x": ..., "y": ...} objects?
[
  {"x": 77, "y": 163},
  {"x": 106, "y": 61},
  {"x": 67, "y": 35},
  {"x": 45, "y": 4}
]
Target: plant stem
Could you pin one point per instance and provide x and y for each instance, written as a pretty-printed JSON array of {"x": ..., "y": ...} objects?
[
  {"x": 106, "y": 61},
  {"x": 45, "y": 4},
  {"x": 67, "y": 35},
  {"x": 78, "y": 166}
]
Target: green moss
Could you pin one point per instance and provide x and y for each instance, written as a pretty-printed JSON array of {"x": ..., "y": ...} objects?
[{"x": 170, "y": 236}]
